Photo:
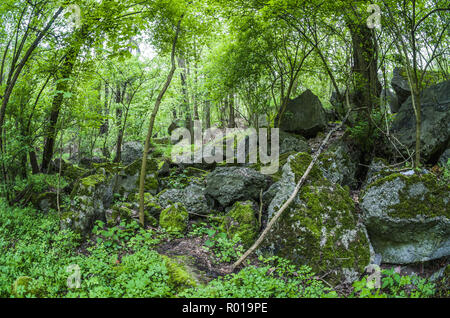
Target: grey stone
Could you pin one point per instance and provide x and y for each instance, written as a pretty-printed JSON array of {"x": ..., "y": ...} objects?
[
  {"x": 339, "y": 164},
  {"x": 226, "y": 185},
  {"x": 400, "y": 85},
  {"x": 131, "y": 151},
  {"x": 435, "y": 130},
  {"x": 407, "y": 217},
  {"x": 192, "y": 197},
  {"x": 304, "y": 115},
  {"x": 291, "y": 142}
]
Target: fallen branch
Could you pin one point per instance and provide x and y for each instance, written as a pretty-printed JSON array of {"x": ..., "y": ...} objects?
[{"x": 291, "y": 198}]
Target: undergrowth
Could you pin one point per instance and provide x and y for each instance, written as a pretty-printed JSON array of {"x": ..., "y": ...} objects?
[{"x": 39, "y": 259}]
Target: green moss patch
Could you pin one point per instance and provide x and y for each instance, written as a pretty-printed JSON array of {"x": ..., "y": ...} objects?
[{"x": 174, "y": 219}]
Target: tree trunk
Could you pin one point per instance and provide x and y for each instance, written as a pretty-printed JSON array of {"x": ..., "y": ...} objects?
[
  {"x": 120, "y": 94},
  {"x": 231, "y": 122},
  {"x": 207, "y": 114},
  {"x": 368, "y": 87},
  {"x": 33, "y": 162},
  {"x": 152, "y": 122},
  {"x": 61, "y": 87}
]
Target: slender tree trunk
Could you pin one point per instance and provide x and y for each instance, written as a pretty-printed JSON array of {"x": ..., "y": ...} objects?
[
  {"x": 119, "y": 100},
  {"x": 61, "y": 87},
  {"x": 33, "y": 162},
  {"x": 232, "y": 122},
  {"x": 185, "y": 90},
  {"x": 152, "y": 122},
  {"x": 207, "y": 114}
]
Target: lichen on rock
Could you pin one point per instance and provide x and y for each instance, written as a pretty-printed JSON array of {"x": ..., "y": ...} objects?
[{"x": 407, "y": 217}]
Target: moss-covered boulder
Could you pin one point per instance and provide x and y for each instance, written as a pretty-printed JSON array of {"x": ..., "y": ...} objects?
[
  {"x": 174, "y": 219},
  {"x": 241, "y": 221},
  {"x": 407, "y": 216},
  {"x": 45, "y": 201},
  {"x": 69, "y": 171},
  {"x": 90, "y": 198},
  {"x": 128, "y": 178},
  {"x": 320, "y": 228}
]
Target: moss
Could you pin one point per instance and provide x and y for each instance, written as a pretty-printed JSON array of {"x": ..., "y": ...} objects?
[
  {"x": 430, "y": 202},
  {"x": 21, "y": 287},
  {"x": 135, "y": 167},
  {"x": 72, "y": 172},
  {"x": 124, "y": 212},
  {"x": 241, "y": 221},
  {"x": 174, "y": 219},
  {"x": 151, "y": 184},
  {"x": 93, "y": 180},
  {"x": 179, "y": 277},
  {"x": 195, "y": 172},
  {"x": 300, "y": 163},
  {"x": 109, "y": 167}
]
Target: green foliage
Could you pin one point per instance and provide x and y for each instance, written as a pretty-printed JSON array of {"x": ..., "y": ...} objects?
[
  {"x": 275, "y": 278},
  {"x": 393, "y": 285},
  {"x": 224, "y": 249}
]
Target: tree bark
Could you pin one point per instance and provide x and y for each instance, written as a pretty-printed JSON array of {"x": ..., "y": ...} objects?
[{"x": 61, "y": 87}]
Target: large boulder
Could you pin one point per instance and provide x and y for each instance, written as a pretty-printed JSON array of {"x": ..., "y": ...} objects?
[
  {"x": 319, "y": 228},
  {"x": 90, "y": 198},
  {"x": 304, "y": 115},
  {"x": 407, "y": 217},
  {"x": 226, "y": 185},
  {"x": 435, "y": 112},
  {"x": 128, "y": 178},
  {"x": 192, "y": 197},
  {"x": 131, "y": 151}
]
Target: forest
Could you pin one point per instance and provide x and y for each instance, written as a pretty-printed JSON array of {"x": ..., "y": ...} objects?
[{"x": 224, "y": 149}]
